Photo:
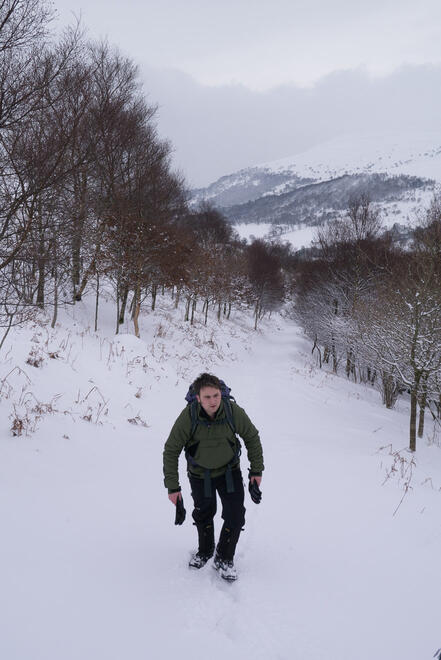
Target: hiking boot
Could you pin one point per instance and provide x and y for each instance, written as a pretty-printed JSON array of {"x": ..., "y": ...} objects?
[
  {"x": 225, "y": 567},
  {"x": 198, "y": 560}
]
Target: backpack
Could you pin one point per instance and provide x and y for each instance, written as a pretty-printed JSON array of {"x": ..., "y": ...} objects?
[{"x": 193, "y": 406}]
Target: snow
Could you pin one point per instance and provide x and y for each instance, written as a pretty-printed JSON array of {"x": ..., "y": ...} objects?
[
  {"x": 416, "y": 154},
  {"x": 253, "y": 230},
  {"x": 91, "y": 565},
  {"x": 298, "y": 237}
]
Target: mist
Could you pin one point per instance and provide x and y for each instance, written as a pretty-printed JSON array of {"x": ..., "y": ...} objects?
[{"x": 218, "y": 130}]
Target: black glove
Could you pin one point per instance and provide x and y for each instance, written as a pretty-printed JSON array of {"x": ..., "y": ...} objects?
[
  {"x": 180, "y": 511},
  {"x": 255, "y": 492}
]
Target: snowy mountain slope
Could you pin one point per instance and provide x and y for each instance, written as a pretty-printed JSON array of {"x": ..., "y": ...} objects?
[
  {"x": 313, "y": 203},
  {"x": 399, "y": 172},
  {"x": 417, "y": 155},
  {"x": 91, "y": 565},
  {"x": 414, "y": 154},
  {"x": 248, "y": 185}
]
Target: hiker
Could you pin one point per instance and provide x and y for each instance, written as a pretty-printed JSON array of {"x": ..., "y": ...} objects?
[{"x": 206, "y": 429}]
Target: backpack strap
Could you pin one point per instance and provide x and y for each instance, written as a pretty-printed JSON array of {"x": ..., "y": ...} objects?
[
  {"x": 229, "y": 413},
  {"x": 230, "y": 419},
  {"x": 194, "y": 417}
]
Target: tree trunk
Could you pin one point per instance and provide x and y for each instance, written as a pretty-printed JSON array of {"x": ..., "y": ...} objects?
[
  {"x": 256, "y": 314},
  {"x": 390, "y": 390},
  {"x": 154, "y": 294},
  {"x": 41, "y": 282},
  {"x": 371, "y": 376},
  {"x": 122, "y": 310},
  {"x": 132, "y": 305},
  {"x": 193, "y": 309},
  {"x": 80, "y": 290},
  {"x": 316, "y": 346},
  {"x": 187, "y": 309},
  {"x": 76, "y": 253},
  {"x": 97, "y": 300},
  {"x": 117, "y": 309},
  {"x": 413, "y": 416},
  {"x": 93, "y": 266},
  {"x": 334, "y": 358},
  {"x": 416, "y": 382},
  {"x": 55, "y": 314},
  {"x": 79, "y": 219},
  {"x": 136, "y": 309},
  {"x": 11, "y": 318},
  {"x": 41, "y": 263},
  {"x": 206, "y": 311},
  {"x": 423, "y": 405},
  {"x": 350, "y": 365}
]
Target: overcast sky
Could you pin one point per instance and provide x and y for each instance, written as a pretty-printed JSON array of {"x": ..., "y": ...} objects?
[{"x": 239, "y": 82}]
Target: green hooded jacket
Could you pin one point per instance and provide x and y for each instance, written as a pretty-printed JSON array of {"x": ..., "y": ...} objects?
[{"x": 214, "y": 439}]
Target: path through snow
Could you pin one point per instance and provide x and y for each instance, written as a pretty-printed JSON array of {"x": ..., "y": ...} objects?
[{"x": 92, "y": 566}]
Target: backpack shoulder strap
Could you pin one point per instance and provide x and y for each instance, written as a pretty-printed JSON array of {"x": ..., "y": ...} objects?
[
  {"x": 193, "y": 406},
  {"x": 227, "y": 398},
  {"x": 229, "y": 413}
]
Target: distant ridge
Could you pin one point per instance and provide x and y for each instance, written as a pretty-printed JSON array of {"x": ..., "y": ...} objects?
[{"x": 399, "y": 172}]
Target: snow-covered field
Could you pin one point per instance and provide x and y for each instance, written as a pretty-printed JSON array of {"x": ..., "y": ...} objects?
[
  {"x": 298, "y": 237},
  {"x": 91, "y": 564},
  {"x": 253, "y": 230}
]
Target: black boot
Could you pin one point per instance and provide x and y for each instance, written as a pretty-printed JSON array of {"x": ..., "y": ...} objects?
[
  {"x": 225, "y": 568},
  {"x": 206, "y": 546},
  {"x": 223, "y": 559}
]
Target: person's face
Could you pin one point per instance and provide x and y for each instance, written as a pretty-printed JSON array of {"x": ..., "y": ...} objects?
[{"x": 210, "y": 400}]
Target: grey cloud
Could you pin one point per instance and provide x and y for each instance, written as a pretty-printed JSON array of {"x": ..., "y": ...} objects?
[{"x": 217, "y": 130}]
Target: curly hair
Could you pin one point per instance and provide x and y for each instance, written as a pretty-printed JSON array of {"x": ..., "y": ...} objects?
[{"x": 206, "y": 380}]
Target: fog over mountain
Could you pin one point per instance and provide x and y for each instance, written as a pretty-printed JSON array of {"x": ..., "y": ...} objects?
[{"x": 219, "y": 130}]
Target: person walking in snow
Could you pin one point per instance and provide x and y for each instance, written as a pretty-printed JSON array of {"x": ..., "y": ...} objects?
[{"x": 206, "y": 429}]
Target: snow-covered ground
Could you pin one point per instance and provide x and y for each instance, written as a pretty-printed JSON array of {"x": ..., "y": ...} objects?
[
  {"x": 91, "y": 564},
  {"x": 416, "y": 154},
  {"x": 298, "y": 237},
  {"x": 253, "y": 230}
]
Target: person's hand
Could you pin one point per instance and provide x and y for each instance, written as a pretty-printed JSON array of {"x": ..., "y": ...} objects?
[
  {"x": 180, "y": 511},
  {"x": 173, "y": 497},
  {"x": 255, "y": 492}
]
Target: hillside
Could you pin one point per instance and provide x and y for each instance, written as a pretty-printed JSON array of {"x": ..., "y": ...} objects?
[
  {"x": 399, "y": 172},
  {"x": 91, "y": 566}
]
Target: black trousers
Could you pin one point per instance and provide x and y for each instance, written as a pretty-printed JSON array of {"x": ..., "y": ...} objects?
[{"x": 233, "y": 511}]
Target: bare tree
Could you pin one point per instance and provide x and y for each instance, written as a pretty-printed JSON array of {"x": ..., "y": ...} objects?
[
  {"x": 32, "y": 147},
  {"x": 265, "y": 275},
  {"x": 23, "y": 23}
]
